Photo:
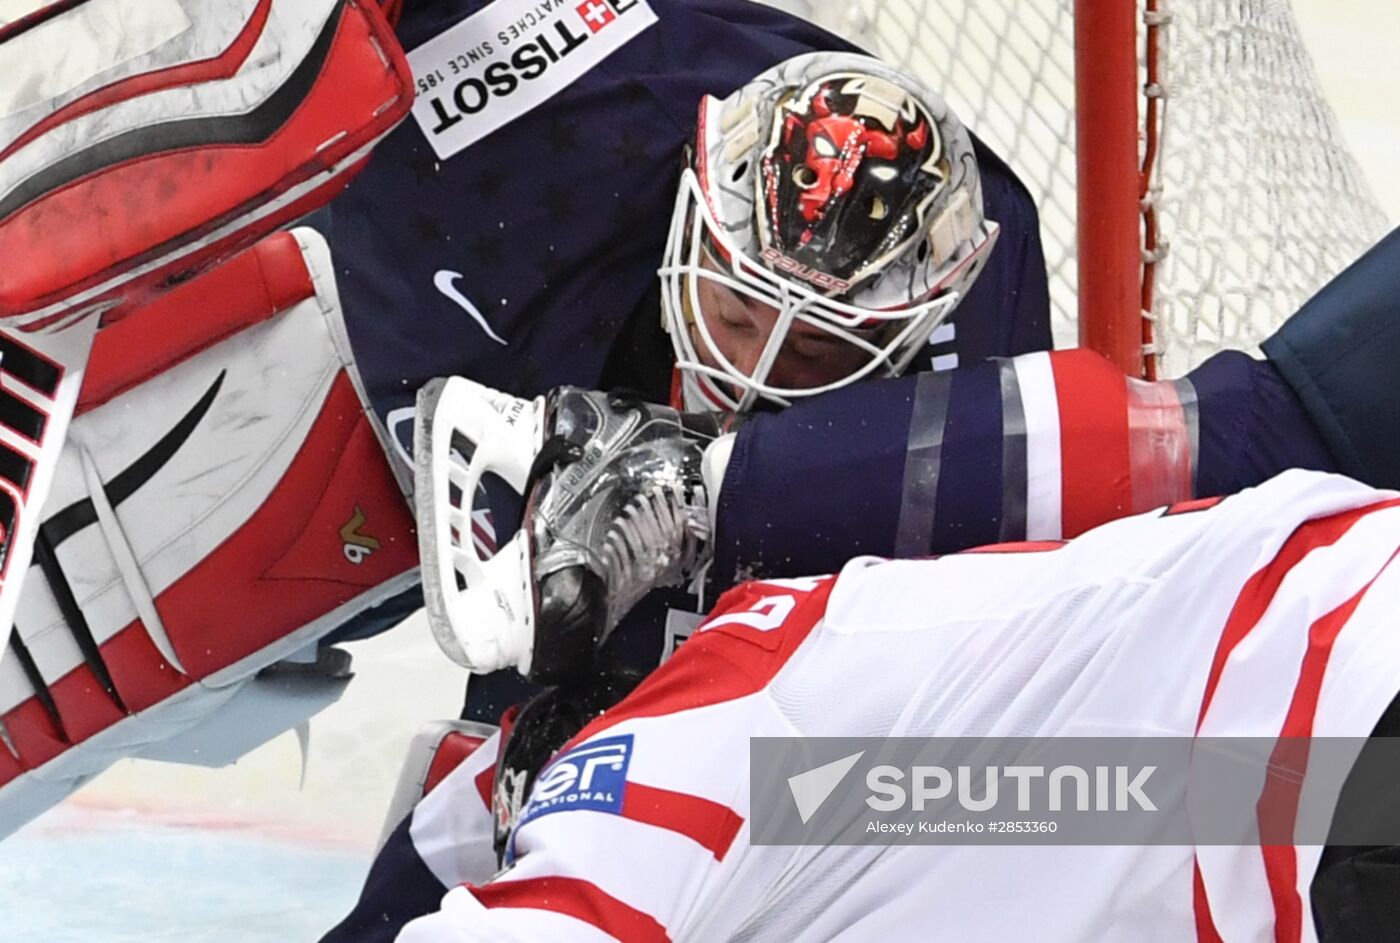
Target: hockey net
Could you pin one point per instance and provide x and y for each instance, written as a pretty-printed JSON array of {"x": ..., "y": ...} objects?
[{"x": 1256, "y": 198}]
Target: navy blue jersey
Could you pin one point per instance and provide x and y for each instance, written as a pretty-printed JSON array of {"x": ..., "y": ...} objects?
[
  {"x": 1340, "y": 352},
  {"x": 528, "y": 259}
]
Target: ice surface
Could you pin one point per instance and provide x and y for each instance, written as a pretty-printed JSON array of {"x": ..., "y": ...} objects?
[
  {"x": 154, "y": 851},
  {"x": 82, "y": 876}
]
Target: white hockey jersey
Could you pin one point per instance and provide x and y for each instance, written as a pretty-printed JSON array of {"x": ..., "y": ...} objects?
[{"x": 1269, "y": 613}]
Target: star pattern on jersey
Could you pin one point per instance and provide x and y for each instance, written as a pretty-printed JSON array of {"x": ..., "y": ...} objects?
[
  {"x": 634, "y": 92},
  {"x": 552, "y": 267},
  {"x": 425, "y": 166},
  {"x": 488, "y": 249},
  {"x": 527, "y": 379},
  {"x": 562, "y": 134},
  {"x": 603, "y": 329},
  {"x": 558, "y": 203},
  {"x": 489, "y": 183},
  {"x": 631, "y": 213},
  {"x": 632, "y": 147},
  {"x": 428, "y": 228}
]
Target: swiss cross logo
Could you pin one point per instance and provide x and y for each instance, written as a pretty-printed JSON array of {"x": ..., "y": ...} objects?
[{"x": 596, "y": 14}]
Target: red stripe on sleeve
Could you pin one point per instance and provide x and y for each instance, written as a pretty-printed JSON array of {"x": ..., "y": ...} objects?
[
  {"x": 1288, "y": 764},
  {"x": 1205, "y": 923},
  {"x": 1258, "y": 592},
  {"x": 708, "y": 824},
  {"x": 1095, "y": 472},
  {"x": 575, "y": 898}
]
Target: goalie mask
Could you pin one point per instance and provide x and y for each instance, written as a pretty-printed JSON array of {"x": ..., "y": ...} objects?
[{"x": 832, "y": 215}]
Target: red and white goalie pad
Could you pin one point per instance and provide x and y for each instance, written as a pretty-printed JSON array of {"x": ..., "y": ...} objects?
[
  {"x": 223, "y": 501},
  {"x": 141, "y": 140},
  {"x": 433, "y": 754}
]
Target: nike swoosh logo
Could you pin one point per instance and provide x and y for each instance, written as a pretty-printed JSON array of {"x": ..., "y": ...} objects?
[{"x": 443, "y": 282}]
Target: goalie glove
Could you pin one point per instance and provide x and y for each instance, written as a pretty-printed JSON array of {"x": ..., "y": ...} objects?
[{"x": 619, "y": 498}]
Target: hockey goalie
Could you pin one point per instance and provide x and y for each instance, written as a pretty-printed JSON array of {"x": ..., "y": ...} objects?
[{"x": 225, "y": 463}]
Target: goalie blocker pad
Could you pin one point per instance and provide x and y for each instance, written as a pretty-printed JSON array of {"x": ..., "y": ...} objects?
[
  {"x": 143, "y": 140},
  {"x": 222, "y": 502}
]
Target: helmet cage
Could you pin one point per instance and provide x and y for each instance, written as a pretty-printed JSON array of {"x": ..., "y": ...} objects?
[{"x": 891, "y": 337}]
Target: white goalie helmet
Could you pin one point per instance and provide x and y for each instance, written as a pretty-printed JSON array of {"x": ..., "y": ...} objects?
[{"x": 839, "y": 196}]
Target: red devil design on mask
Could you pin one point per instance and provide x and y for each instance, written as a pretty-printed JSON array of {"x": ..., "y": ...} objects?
[{"x": 837, "y": 145}]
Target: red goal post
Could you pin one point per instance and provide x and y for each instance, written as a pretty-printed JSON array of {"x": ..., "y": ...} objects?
[
  {"x": 1193, "y": 184},
  {"x": 1111, "y": 185}
]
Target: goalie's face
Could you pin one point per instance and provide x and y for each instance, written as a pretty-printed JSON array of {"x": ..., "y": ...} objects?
[{"x": 731, "y": 327}]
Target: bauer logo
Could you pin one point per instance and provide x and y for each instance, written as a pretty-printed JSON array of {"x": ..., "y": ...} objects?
[
  {"x": 591, "y": 776},
  {"x": 496, "y": 65}
]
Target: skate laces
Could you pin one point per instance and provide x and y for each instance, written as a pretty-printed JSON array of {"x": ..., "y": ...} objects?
[{"x": 657, "y": 538}]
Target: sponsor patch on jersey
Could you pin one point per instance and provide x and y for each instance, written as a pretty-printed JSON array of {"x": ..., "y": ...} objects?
[
  {"x": 496, "y": 65},
  {"x": 591, "y": 776}
]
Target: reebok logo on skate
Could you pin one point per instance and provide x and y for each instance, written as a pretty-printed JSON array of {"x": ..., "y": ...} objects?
[{"x": 814, "y": 787}]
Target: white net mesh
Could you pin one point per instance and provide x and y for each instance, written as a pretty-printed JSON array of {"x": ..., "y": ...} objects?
[{"x": 1259, "y": 200}]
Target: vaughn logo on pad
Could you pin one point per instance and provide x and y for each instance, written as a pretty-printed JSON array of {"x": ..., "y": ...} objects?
[{"x": 496, "y": 65}]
